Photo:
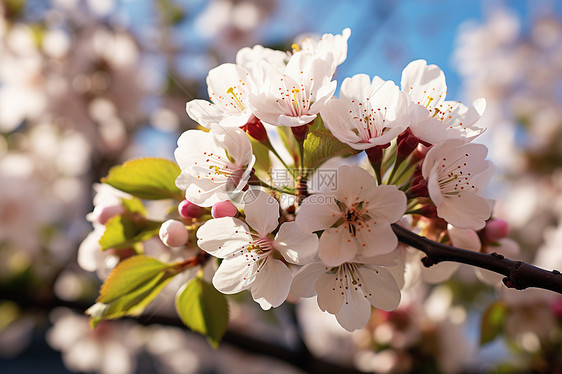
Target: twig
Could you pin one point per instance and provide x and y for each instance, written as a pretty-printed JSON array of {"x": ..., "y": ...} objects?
[{"x": 518, "y": 274}]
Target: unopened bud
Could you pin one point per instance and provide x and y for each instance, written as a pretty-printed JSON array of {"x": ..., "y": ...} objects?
[
  {"x": 407, "y": 142},
  {"x": 223, "y": 209},
  {"x": 419, "y": 187},
  {"x": 256, "y": 130},
  {"x": 187, "y": 209},
  {"x": 496, "y": 229},
  {"x": 102, "y": 214},
  {"x": 173, "y": 233}
]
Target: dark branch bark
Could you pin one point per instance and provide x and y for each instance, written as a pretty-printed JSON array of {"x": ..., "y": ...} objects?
[{"x": 518, "y": 274}]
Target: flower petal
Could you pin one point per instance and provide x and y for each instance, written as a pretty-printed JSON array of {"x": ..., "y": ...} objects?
[
  {"x": 337, "y": 246},
  {"x": 272, "y": 284},
  {"x": 261, "y": 210},
  {"x": 235, "y": 274},
  {"x": 376, "y": 238},
  {"x": 305, "y": 278},
  {"x": 330, "y": 298},
  {"x": 355, "y": 312},
  {"x": 296, "y": 246},
  {"x": 380, "y": 287},
  {"x": 222, "y": 237},
  {"x": 318, "y": 212}
]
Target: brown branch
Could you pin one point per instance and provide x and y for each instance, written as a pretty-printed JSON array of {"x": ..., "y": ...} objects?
[{"x": 518, "y": 274}]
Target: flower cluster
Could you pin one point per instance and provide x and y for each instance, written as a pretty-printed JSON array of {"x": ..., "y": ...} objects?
[{"x": 395, "y": 155}]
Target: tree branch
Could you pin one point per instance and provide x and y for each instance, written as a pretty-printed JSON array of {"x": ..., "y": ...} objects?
[{"x": 518, "y": 274}]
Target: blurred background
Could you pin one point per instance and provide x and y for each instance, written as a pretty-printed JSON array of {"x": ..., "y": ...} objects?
[{"x": 88, "y": 84}]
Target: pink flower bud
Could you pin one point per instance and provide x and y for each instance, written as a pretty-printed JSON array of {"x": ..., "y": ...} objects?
[
  {"x": 187, "y": 209},
  {"x": 419, "y": 187},
  {"x": 224, "y": 209},
  {"x": 102, "y": 214},
  {"x": 173, "y": 233},
  {"x": 496, "y": 229}
]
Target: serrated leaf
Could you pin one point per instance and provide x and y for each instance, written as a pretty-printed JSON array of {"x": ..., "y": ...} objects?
[
  {"x": 203, "y": 309},
  {"x": 129, "y": 275},
  {"x": 320, "y": 145},
  {"x": 492, "y": 322},
  {"x": 124, "y": 231},
  {"x": 146, "y": 178}
]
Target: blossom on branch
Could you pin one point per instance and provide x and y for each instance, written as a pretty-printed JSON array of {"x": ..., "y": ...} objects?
[
  {"x": 215, "y": 165},
  {"x": 250, "y": 259}
]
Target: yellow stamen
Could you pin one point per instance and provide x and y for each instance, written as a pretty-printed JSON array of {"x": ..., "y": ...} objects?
[
  {"x": 218, "y": 170},
  {"x": 429, "y": 100},
  {"x": 231, "y": 91},
  {"x": 295, "y": 91},
  {"x": 296, "y": 47}
]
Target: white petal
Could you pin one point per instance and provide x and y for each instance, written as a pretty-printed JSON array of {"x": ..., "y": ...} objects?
[
  {"x": 420, "y": 80},
  {"x": 465, "y": 211},
  {"x": 305, "y": 278},
  {"x": 223, "y": 236},
  {"x": 318, "y": 212},
  {"x": 234, "y": 274},
  {"x": 296, "y": 246},
  {"x": 464, "y": 238},
  {"x": 380, "y": 287},
  {"x": 330, "y": 297},
  {"x": 337, "y": 246},
  {"x": 386, "y": 201},
  {"x": 376, "y": 238},
  {"x": 261, "y": 210},
  {"x": 272, "y": 284},
  {"x": 354, "y": 314},
  {"x": 440, "y": 272},
  {"x": 204, "y": 112},
  {"x": 236, "y": 143}
]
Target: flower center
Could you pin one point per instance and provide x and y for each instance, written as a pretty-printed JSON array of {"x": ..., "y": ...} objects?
[
  {"x": 453, "y": 178},
  {"x": 348, "y": 279},
  {"x": 214, "y": 166},
  {"x": 370, "y": 122},
  {"x": 355, "y": 217}
]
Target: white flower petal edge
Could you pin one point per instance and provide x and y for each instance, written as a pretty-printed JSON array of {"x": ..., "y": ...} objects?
[
  {"x": 216, "y": 165},
  {"x": 456, "y": 173},
  {"x": 329, "y": 44}
]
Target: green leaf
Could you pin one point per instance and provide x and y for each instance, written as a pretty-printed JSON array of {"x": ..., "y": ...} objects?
[
  {"x": 321, "y": 145},
  {"x": 203, "y": 309},
  {"x": 125, "y": 230},
  {"x": 146, "y": 178},
  {"x": 130, "y": 287},
  {"x": 134, "y": 205},
  {"x": 492, "y": 322},
  {"x": 128, "y": 275}
]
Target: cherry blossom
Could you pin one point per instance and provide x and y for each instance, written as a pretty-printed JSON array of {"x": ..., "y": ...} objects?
[
  {"x": 296, "y": 95},
  {"x": 228, "y": 88},
  {"x": 367, "y": 113},
  {"x": 349, "y": 290},
  {"x": 456, "y": 174},
  {"x": 250, "y": 258},
  {"x": 332, "y": 45},
  {"x": 215, "y": 165},
  {"x": 355, "y": 216},
  {"x": 433, "y": 119}
]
